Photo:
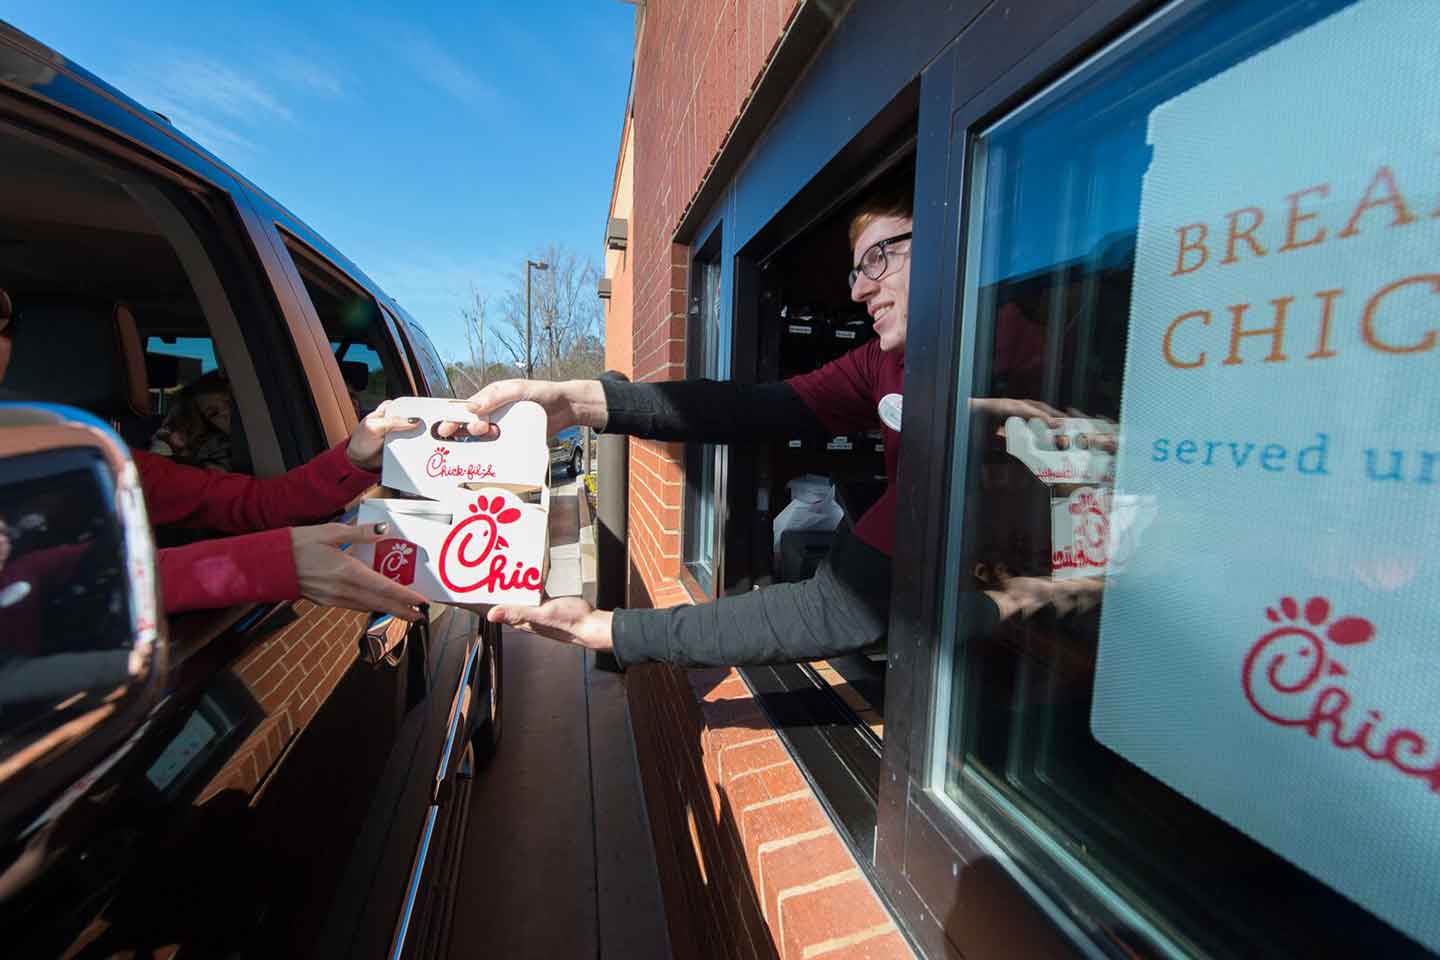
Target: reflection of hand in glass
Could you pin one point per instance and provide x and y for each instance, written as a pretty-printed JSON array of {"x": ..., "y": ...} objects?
[
  {"x": 1105, "y": 440},
  {"x": 1003, "y": 408},
  {"x": 4, "y": 544},
  {"x": 1027, "y": 596}
]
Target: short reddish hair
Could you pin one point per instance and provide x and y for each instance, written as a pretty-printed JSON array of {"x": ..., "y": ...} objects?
[{"x": 894, "y": 202}]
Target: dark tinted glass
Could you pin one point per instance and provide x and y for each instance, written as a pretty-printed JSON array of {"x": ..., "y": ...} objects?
[{"x": 1132, "y": 694}]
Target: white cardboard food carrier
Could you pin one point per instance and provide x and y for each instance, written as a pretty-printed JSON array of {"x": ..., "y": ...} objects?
[{"x": 480, "y": 533}]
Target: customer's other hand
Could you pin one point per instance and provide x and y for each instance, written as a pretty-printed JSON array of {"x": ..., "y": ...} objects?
[
  {"x": 567, "y": 619},
  {"x": 368, "y": 440},
  {"x": 333, "y": 578},
  {"x": 567, "y": 403}
]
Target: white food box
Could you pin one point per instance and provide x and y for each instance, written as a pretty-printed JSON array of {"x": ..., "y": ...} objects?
[{"x": 481, "y": 532}]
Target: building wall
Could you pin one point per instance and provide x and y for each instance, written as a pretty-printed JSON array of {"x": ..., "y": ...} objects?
[
  {"x": 697, "y": 63},
  {"x": 750, "y": 863},
  {"x": 619, "y": 309}
]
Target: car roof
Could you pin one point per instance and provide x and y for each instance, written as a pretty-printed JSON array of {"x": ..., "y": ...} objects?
[{"x": 82, "y": 81}]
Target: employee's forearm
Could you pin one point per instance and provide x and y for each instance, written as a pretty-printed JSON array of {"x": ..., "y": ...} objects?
[
  {"x": 711, "y": 411},
  {"x": 843, "y": 609}
]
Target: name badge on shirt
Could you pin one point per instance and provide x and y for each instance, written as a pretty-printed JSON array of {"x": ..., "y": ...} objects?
[{"x": 890, "y": 407}]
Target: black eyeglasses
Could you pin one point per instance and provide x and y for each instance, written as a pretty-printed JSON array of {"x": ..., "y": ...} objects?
[{"x": 873, "y": 262}]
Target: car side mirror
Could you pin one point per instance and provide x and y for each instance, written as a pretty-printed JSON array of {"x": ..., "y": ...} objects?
[{"x": 82, "y": 638}]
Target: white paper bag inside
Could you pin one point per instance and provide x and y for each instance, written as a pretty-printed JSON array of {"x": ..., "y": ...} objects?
[{"x": 812, "y": 506}]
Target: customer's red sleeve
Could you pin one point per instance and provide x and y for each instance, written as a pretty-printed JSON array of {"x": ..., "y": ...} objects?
[
  {"x": 259, "y": 567},
  {"x": 235, "y": 503},
  {"x": 254, "y": 568}
]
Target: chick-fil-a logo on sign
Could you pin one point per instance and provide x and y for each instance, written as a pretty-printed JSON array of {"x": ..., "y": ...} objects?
[
  {"x": 1293, "y": 678},
  {"x": 438, "y": 466},
  {"x": 396, "y": 559},
  {"x": 477, "y": 539}
]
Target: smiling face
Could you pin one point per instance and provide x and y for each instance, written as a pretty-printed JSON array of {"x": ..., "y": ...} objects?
[{"x": 887, "y": 299}]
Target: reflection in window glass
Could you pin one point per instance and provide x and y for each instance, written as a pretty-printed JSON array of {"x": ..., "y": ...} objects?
[
  {"x": 702, "y": 460},
  {"x": 1211, "y": 258},
  {"x": 357, "y": 334},
  {"x": 65, "y": 628},
  {"x": 430, "y": 363}
]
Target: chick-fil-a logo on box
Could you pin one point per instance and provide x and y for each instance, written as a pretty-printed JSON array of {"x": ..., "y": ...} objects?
[
  {"x": 396, "y": 559},
  {"x": 1295, "y": 678},
  {"x": 477, "y": 539},
  {"x": 438, "y": 465},
  {"x": 1080, "y": 531}
]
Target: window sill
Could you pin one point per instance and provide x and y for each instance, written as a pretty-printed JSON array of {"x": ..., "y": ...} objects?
[{"x": 692, "y": 587}]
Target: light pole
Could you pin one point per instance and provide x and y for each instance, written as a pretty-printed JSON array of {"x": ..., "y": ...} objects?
[{"x": 529, "y": 333}]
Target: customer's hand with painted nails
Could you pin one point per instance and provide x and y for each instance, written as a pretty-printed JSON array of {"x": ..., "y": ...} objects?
[
  {"x": 333, "y": 578},
  {"x": 368, "y": 440},
  {"x": 567, "y": 403}
]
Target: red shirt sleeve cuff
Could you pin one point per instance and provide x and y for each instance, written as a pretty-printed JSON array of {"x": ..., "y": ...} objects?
[
  {"x": 255, "y": 568},
  {"x": 334, "y": 469}
]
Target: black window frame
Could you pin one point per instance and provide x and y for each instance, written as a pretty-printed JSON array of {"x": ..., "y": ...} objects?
[
  {"x": 955, "y": 885},
  {"x": 707, "y": 256}
]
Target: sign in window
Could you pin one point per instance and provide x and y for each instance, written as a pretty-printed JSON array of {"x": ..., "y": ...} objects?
[{"x": 1192, "y": 649}]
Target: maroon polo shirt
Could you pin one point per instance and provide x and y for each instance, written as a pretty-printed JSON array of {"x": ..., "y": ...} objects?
[{"x": 845, "y": 394}]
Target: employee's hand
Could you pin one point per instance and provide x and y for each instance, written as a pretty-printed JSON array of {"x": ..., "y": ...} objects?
[
  {"x": 1002, "y": 408},
  {"x": 567, "y": 619},
  {"x": 567, "y": 403},
  {"x": 368, "y": 440},
  {"x": 1027, "y": 596},
  {"x": 333, "y": 578}
]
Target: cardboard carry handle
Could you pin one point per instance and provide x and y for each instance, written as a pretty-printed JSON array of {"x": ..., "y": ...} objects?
[{"x": 416, "y": 461}]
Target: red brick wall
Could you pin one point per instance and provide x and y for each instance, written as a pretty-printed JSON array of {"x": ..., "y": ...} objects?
[
  {"x": 750, "y": 864},
  {"x": 698, "y": 62},
  {"x": 749, "y": 861}
]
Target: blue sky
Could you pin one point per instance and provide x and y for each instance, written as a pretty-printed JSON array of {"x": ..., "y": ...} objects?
[{"x": 435, "y": 146}]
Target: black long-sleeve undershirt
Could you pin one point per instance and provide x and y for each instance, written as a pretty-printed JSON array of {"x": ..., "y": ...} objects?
[
  {"x": 842, "y": 609},
  {"x": 707, "y": 411}
]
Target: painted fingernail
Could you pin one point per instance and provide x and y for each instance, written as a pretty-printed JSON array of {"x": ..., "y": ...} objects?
[{"x": 382, "y": 528}]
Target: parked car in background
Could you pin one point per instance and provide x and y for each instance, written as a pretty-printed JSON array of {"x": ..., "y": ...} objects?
[
  {"x": 271, "y": 780},
  {"x": 567, "y": 451}
]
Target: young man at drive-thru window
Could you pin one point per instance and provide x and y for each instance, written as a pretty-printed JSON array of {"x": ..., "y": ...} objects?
[
  {"x": 284, "y": 553},
  {"x": 845, "y": 606}
]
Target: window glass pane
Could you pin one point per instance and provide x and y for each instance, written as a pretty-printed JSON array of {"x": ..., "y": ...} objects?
[
  {"x": 1189, "y": 665},
  {"x": 353, "y": 322},
  {"x": 703, "y": 460},
  {"x": 430, "y": 362}
]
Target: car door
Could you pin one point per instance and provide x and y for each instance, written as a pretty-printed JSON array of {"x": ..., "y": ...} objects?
[{"x": 278, "y": 790}]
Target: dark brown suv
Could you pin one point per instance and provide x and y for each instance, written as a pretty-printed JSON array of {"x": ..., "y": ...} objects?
[{"x": 272, "y": 780}]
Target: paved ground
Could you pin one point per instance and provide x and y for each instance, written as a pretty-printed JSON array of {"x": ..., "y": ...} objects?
[{"x": 559, "y": 862}]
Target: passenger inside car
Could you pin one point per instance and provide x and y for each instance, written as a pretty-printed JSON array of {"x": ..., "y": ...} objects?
[
  {"x": 110, "y": 278},
  {"x": 279, "y": 559},
  {"x": 196, "y": 430}
]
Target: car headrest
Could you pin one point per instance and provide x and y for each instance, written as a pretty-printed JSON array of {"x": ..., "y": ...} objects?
[
  {"x": 79, "y": 353},
  {"x": 135, "y": 390},
  {"x": 356, "y": 374}
]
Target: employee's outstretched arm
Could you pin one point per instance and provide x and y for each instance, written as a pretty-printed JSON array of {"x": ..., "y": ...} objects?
[
  {"x": 713, "y": 411},
  {"x": 843, "y": 609}
]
